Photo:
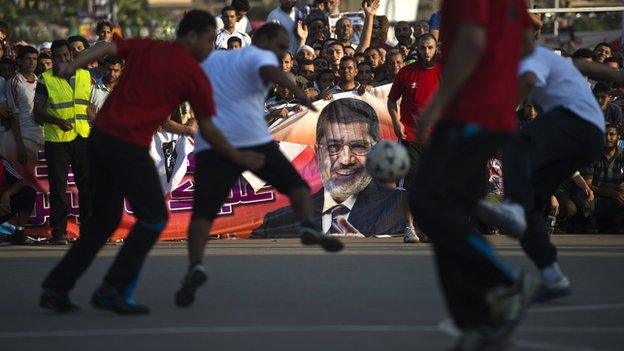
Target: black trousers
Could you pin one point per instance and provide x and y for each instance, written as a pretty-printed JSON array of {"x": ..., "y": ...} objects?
[
  {"x": 59, "y": 156},
  {"x": 119, "y": 170},
  {"x": 23, "y": 200},
  {"x": 537, "y": 160},
  {"x": 451, "y": 178}
]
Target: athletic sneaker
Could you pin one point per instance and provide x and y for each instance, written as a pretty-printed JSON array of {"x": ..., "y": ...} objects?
[
  {"x": 58, "y": 239},
  {"x": 557, "y": 290},
  {"x": 193, "y": 279},
  {"x": 109, "y": 299},
  {"x": 508, "y": 216},
  {"x": 311, "y": 236},
  {"x": 57, "y": 302},
  {"x": 410, "y": 236}
]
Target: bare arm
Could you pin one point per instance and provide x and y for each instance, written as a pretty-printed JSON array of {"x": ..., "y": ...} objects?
[
  {"x": 94, "y": 54},
  {"x": 394, "y": 115},
  {"x": 370, "y": 9},
  {"x": 597, "y": 71},
  {"x": 179, "y": 128},
  {"x": 42, "y": 116}
]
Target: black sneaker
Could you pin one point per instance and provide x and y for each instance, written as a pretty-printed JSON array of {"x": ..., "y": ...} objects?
[
  {"x": 311, "y": 236},
  {"x": 58, "y": 239},
  {"x": 57, "y": 302},
  {"x": 18, "y": 238},
  {"x": 109, "y": 299},
  {"x": 193, "y": 279}
]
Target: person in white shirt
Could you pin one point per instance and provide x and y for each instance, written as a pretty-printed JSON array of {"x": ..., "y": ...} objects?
[
  {"x": 567, "y": 137},
  {"x": 287, "y": 15},
  {"x": 228, "y": 14},
  {"x": 240, "y": 81},
  {"x": 242, "y": 22},
  {"x": 26, "y": 134},
  {"x": 113, "y": 68}
]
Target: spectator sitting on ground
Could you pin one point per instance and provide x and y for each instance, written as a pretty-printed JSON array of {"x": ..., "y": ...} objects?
[
  {"x": 16, "y": 200},
  {"x": 612, "y": 112},
  {"x": 602, "y": 51},
  {"x": 346, "y": 78},
  {"x": 104, "y": 30},
  {"x": 234, "y": 43},
  {"x": 606, "y": 179}
]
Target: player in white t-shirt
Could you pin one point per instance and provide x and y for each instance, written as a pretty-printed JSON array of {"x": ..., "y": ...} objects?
[
  {"x": 567, "y": 137},
  {"x": 240, "y": 81}
]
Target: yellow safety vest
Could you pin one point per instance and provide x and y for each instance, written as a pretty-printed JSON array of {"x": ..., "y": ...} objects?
[{"x": 67, "y": 104}]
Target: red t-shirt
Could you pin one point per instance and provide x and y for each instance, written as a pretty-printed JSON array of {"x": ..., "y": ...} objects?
[
  {"x": 415, "y": 85},
  {"x": 489, "y": 97},
  {"x": 157, "y": 78}
]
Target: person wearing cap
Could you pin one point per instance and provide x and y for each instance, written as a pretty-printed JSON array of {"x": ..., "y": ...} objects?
[
  {"x": 45, "y": 48},
  {"x": 61, "y": 107},
  {"x": 306, "y": 52}
]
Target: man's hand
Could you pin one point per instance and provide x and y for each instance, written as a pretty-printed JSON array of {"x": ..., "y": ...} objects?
[
  {"x": 327, "y": 95},
  {"x": 5, "y": 204},
  {"x": 64, "y": 125},
  {"x": 192, "y": 125},
  {"x": 429, "y": 117},
  {"x": 304, "y": 100},
  {"x": 398, "y": 130},
  {"x": 301, "y": 31},
  {"x": 364, "y": 88},
  {"x": 554, "y": 205},
  {"x": 370, "y": 7},
  {"x": 250, "y": 160},
  {"x": 589, "y": 194}
]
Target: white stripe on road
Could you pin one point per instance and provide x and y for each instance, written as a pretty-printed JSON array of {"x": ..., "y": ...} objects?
[{"x": 574, "y": 308}]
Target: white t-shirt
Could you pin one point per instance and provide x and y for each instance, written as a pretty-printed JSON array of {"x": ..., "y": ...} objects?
[
  {"x": 242, "y": 26},
  {"x": 223, "y": 35},
  {"x": 287, "y": 21},
  {"x": 239, "y": 94},
  {"x": 20, "y": 95},
  {"x": 560, "y": 84}
]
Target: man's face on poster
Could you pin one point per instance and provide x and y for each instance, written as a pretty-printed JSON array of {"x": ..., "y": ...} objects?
[{"x": 341, "y": 156}]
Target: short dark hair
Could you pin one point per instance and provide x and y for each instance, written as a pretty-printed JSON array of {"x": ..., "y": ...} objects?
[
  {"x": 25, "y": 50},
  {"x": 349, "y": 58},
  {"x": 241, "y": 5},
  {"x": 426, "y": 36},
  {"x": 234, "y": 39},
  {"x": 601, "y": 88},
  {"x": 612, "y": 125},
  {"x": 603, "y": 44},
  {"x": 44, "y": 55},
  {"x": 79, "y": 38},
  {"x": 371, "y": 49},
  {"x": 270, "y": 30},
  {"x": 59, "y": 44},
  {"x": 337, "y": 43},
  {"x": 583, "y": 53},
  {"x": 103, "y": 24},
  {"x": 114, "y": 60},
  {"x": 227, "y": 8},
  {"x": 348, "y": 110},
  {"x": 614, "y": 59},
  {"x": 197, "y": 21}
]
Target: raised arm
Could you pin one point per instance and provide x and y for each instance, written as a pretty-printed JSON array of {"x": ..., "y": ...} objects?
[{"x": 370, "y": 10}]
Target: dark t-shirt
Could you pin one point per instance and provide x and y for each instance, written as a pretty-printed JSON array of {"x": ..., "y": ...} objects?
[
  {"x": 613, "y": 114},
  {"x": 489, "y": 97},
  {"x": 157, "y": 78},
  {"x": 415, "y": 85}
]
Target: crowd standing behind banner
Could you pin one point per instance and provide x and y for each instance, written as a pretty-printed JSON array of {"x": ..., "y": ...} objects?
[{"x": 332, "y": 55}]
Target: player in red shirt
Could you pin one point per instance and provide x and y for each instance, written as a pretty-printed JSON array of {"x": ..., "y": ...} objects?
[
  {"x": 414, "y": 85},
  {"x": 475, "y": 104},
  {"x": 157, "y": 78}
]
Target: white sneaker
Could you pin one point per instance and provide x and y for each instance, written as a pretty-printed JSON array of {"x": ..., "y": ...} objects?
[
  {"x": 552, "y": 291},
  {"x": 508, "y": 216},
  {"x": 410, "y": 236}
]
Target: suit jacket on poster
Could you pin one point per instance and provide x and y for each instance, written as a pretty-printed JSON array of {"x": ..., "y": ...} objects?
[{"x": 377, "y": 211}]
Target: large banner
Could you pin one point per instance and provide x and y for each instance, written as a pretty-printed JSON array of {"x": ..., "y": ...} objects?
[{"x": 328, "y": 152}]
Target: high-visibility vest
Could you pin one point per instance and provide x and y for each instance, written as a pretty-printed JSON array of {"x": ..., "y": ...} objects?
[{"x": 67, "y": 104}]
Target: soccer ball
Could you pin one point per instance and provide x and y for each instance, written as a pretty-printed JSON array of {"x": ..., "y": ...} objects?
[{"x": 387, "y": 161}]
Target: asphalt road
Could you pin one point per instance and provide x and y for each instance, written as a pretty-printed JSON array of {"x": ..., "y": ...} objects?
[{"x": 379, "y": 294}]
